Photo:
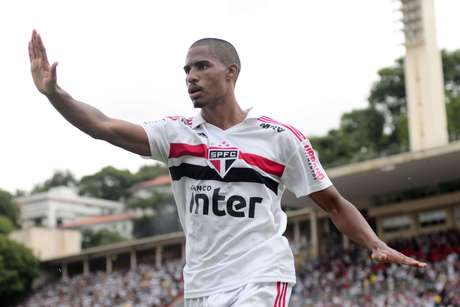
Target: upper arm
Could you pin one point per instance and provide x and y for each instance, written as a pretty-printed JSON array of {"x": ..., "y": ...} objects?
[{"x": 126, "y": 135}]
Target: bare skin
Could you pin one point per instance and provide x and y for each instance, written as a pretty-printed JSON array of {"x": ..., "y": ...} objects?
[
  {"x": 211, "y": 86},
  {"x": 216, "y": 82}
]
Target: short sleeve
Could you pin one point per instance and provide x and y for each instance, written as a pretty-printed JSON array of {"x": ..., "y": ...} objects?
[
  {"x": 158, "y": 141},
  {"x": 303, "y": 173}
]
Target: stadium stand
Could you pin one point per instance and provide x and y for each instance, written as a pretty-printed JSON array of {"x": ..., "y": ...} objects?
[
  {"x": 144, "y": 286},
  {"x": 337, "y": 278},
  {"x": 350, "y": 278}
]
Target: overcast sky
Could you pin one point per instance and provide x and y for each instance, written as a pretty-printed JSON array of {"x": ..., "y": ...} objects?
[{"x": 303, "y": 62}]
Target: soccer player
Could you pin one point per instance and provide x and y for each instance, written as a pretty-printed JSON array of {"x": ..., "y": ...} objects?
[{"x": 229, "y": 169}]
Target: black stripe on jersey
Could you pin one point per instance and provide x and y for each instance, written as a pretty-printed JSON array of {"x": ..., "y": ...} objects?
[{"x": 235, "y": 174}]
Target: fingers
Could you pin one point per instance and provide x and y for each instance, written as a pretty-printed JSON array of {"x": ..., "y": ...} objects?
[
  {"x": 31, "y": 51},
  {"x": 42, "y": 49},
  {"x": 392, "y": 256},
  {"x": 34, "y": 44},
  {"x": 37, "y": 49}
]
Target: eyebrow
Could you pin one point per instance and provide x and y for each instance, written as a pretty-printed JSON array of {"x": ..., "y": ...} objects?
[{"x": 188, "y": 66}]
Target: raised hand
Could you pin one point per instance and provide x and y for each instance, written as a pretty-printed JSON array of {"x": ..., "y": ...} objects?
[
  {"x": 384, "y": 253},
  {"x": 43, "y": 74}
]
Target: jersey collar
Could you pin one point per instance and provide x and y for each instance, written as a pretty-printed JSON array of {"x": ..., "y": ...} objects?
[{"x": 198, "y": 119}]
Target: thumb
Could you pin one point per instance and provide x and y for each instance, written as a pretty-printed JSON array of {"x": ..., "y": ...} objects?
[
  {"x": 53, "y": 71},
  {"x": 379, "y": 256}
]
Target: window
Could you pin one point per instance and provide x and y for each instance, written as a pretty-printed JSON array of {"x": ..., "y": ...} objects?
[
  {"x": 38, "y": 221},
  {"x": 396, "y": 223},
  {"x": 432, "y": 218}
]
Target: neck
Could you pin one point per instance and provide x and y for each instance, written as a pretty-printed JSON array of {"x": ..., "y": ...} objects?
[{"x": 224, "y": 114}]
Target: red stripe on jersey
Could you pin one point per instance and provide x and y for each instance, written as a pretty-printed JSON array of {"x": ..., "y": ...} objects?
[
  {"x": 177, "y": 150},
  {"x": 267, "y": 165},
  {"x": 283, "y": 289},
  {"x": 201, "y": 150},
  {"x": 296, "y": 132},
  {"x": 277, "y": 294},
  {"x": 284, "y": 295}
]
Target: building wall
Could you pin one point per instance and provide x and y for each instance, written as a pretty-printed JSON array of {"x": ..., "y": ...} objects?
[
  {"x": 49, "y": 243},
  {"x": 62, "y": 205},
  {"x": 419, "y": 216}
]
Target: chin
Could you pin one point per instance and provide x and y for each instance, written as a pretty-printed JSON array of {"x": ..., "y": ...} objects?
[{"x": 199, "y": 104}]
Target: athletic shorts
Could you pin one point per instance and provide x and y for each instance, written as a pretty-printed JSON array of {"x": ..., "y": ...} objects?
[{"x": 265, "y": 294}]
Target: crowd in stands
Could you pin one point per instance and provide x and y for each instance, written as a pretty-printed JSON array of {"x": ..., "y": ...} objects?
[
  {"x": 350, "y": 278},
  {"x": 144, "y": 286},
  {"x": 338, "y": 278}
]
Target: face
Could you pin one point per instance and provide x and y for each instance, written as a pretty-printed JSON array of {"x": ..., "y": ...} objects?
[{"x": 208, "y": 80}]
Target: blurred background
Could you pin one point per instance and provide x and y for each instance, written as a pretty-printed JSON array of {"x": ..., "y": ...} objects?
[{"x": 375, "y": 85}]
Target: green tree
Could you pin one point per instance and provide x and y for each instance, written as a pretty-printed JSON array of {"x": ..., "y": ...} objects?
[
  {"x": 59, "y": 178},
  {"x": 166, "y": 222},
  {"x": 147, "y": 172},
  {"x": 18, "y": 268},
  {"x": 108, "y": 183},
  {"x": 359, "y": 137},
  {"x": 453, "y": 118},
  {"x": 6, "y": 226},
  {"x": 382, "y": 127},
  {"x": 388, "y": 96},
  {"x": 101, "y": 237},
  {"x": 451, "y": 72},
  {"x": 163, "y": 219},
  {"x": 8, "y": 207}
]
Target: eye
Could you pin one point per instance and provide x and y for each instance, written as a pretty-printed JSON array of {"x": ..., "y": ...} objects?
[{"x": 202, "y": 65}]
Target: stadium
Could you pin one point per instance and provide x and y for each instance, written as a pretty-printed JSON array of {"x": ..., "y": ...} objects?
[
  {"x": 408, "y": 190},
  {"x": 410, "y": 199}
]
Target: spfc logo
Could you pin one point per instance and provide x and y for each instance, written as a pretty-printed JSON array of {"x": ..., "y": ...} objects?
[{"x": 222, "y": 159}]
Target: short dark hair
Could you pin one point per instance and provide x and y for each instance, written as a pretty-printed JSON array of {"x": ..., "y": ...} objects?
[{"x": 222, "y": 49}]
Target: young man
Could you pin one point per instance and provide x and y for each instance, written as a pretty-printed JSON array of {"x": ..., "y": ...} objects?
[{"x": 229, "y": 169}]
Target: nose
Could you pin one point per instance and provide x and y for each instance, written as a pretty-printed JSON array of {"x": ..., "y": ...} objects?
[{"x": 192, "y": 77}]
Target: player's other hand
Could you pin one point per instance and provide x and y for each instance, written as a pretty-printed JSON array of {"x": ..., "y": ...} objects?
[
  {"x": 43, "y": 74},
  {"x": 384, "y": 253}
]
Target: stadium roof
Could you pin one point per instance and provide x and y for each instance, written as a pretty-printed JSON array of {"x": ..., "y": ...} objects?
[
  {"x": 158, "y": 181},
  {"x": 99, "y": 219},
  {"x": 120, "y": 247},
  {"x": 359, "y": 182}
]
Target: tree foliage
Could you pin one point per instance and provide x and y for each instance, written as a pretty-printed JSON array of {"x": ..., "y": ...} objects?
[
  {"x": 8, "y": 207},
  {"x": 59, "y": 178},
  {"x": 6, "y": 226},
  {"x": 453, "y": 118},
  {"x": 109, "y": 183},
  {"x": 18, "y": 268},
  {"x": 101, "y": 237},
  {"x": 382, "y": 127},
  {"x": 148, "y": 172},
  {"x": 163, "y": 217}
]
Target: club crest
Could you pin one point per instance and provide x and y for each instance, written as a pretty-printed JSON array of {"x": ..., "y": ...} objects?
[{"x": 222, "y": 159}]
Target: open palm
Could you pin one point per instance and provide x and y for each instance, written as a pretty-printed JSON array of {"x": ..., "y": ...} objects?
[{"x": 43, "y": 74}]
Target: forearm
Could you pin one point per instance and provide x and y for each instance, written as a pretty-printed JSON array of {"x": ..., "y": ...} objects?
[
  {"x": 83, "y": 116},
  {"x": 350, "y": 221}
]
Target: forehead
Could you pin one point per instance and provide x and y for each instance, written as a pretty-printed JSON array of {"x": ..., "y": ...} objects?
[{"x": 200, "y": 53}]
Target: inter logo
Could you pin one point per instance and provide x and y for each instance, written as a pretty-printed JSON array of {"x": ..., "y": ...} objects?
[{"x": 222, "y": 159}]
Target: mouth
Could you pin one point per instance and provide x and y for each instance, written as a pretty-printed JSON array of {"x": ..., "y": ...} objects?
[{"x": 194, "y": 91}]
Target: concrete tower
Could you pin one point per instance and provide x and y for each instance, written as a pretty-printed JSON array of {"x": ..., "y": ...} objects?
[{"x": 424, "y": 80}]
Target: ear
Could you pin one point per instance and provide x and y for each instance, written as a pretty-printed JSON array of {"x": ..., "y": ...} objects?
[{"x": 232, "y": 72}]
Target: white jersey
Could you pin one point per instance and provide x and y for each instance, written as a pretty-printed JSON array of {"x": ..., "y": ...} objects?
[{"x": 228, "y": 186}]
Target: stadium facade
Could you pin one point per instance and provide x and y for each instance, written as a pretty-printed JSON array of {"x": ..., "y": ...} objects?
[{"x": 404, "y": 195}]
